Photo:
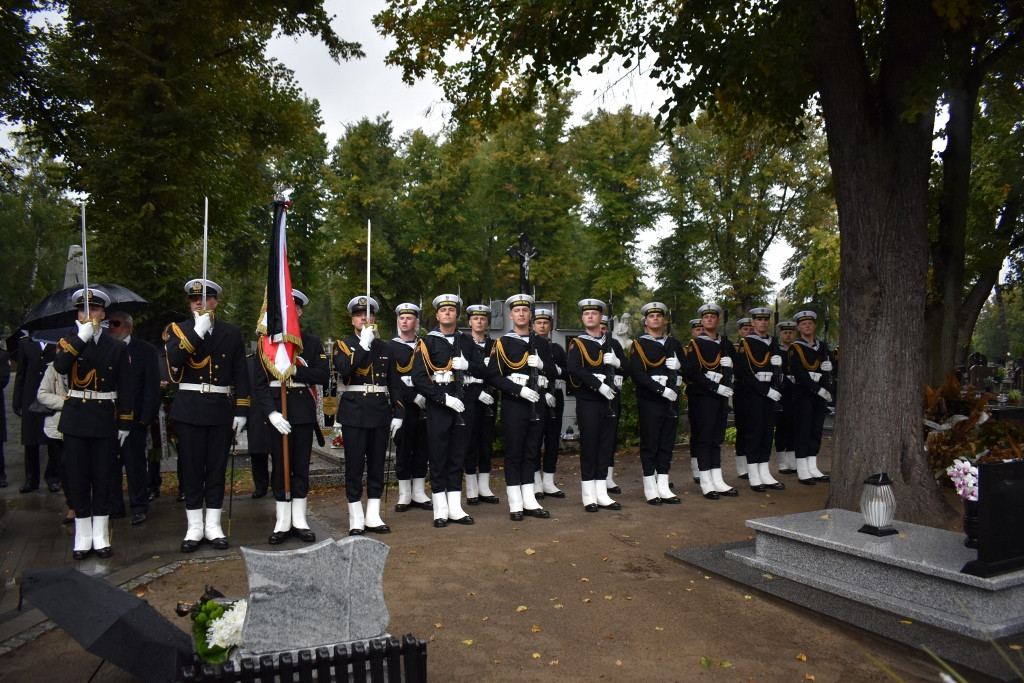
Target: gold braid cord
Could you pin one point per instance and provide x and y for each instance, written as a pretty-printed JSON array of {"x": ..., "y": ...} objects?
[
  {"x": 591, "y": 362},
  {"x": 803, "y": 359},
  {"x": 362, "y": 372},
  {"x": 405, "y": 369},
  {"x": 704, "y": 364},
  {"x": 751, "y": 362},
  {"x": 421, "y": 348},
  {"x": 639, "y": 349},
  {"x": 83, "y": 382},
  {"x": 499, "y": 349}
]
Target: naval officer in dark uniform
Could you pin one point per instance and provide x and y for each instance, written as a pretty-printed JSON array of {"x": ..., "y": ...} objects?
[
  {"x": 95, "y": 420},
  {"x": 411, "y": 440},
  {"x": 811, "y": 366},
  {"x": 206, "y": 360}
]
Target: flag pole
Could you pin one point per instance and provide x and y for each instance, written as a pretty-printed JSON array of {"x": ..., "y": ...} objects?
[
  {"x": 85, "y": 263},
  {"x": 369, "y": 235},
  {"x": 206, "y": 240}
]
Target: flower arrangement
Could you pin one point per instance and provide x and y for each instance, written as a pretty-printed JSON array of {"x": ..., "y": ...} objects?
[
  {"x": 964, "y": 476},
  {"x": 216, "y": 624},
  {"x": 337, "y": 442}
]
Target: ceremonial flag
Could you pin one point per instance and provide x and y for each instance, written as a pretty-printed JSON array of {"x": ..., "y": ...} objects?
[{"x": 281, "y": 340}]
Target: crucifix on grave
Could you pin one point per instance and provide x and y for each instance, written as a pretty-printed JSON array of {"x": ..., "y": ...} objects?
[{"x": 524, "y": 253}]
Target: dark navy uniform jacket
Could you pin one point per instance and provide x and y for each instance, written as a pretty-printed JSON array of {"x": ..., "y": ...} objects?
[
  {"x": 301, "y": 402},
  {"x": 585, "y": 359},
  {"x": 96, "y": 366},
  {"x": 355, "y": 367},
  {"x": 218, "y": 358}
]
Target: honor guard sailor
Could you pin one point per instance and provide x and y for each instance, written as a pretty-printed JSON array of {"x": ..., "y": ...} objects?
[
  {"x": 696, "y": 328},
  {"x": 810, "y": 364},
  {"x": 593, "y": 359},
  {"x": 744, "y": 326},
  {"x": 311, "y": 370},
  {"x": 411, "y": 441},
  {"x": 784, "y": 447},
  {"x": 96, "y": 418},
  {"x": 544, "y": 479},
  {"x": 371, "y": 412},
  {"x": 654, "y": 367},
  {"x": 481, "y": 437},
  {"x": 708, "y": 367},
  {"x": 206, "y": 359}
]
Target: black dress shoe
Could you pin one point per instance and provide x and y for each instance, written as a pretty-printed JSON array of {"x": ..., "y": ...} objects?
[
  {"x": 743, "y": 476},
  {"x": 181, "y": 497},
  {"x": 787, "y": 471},
  {"x": 3, "y": 483},
  {"x": 220, "y": 543},
  {"x": 467, "y": 520},
  {"x": 777, "y": 486},
  {"x": 307, "y": 535},
  {"x": 422, "y": 506},
  {"x": 590, "y": 507},
  {"x": 539, "y": 513},
  {"x": 824, "y": 477},
  {"x": 382, "y": 529},
  {"x": 732, "y": 493},
  {"x": 515, "y": 516},
  {"x": 556, "y": 494},
  {"x": 356, "y": 532},
  {"x": 105, "y": 552},
  {"x": 674, "y": 500},
  {"x": 401, "y": 507},
  {"x": 440, "y": 523},
  {"x": 760, "y": 488},
  {"x": 614, "y": 489},
  {"x": 259, "y": 493},
  {"x": 807, "y": 482},
  {"x": 138, "y": 518},
  {"x": 696, "y": 480},
  {"x": 654, "y": 501},
  {"x": 472, "y": 501},
  {"x": 493, "y": 500},
  {"x": 152, "y": 495},
  {"x": 712, "y": 495},
  {"x": 54, "y": 488},
  {"x": 278, "y": 537},
  {"x": 188, "y": 546},
  {"x": 80, "y": 554},
  {"x": 29, "y": 487},
  {"x": 539, "y": 495},
  {"x": 615, "y": 505}
]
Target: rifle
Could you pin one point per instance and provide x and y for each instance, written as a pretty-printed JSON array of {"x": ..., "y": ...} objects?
[
  {"x": 609, "y": 377},
  {"x": 670, "y": 380},
  {"x": 459, "y": 375},
  {"x": 534, "y": 373},
  {"x": 777, "y": 378}
]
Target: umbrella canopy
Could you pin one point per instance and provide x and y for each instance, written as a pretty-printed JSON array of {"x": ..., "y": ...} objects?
[
  {"x": 57, "y": 311},
  {"x": 109, "y": 622}
]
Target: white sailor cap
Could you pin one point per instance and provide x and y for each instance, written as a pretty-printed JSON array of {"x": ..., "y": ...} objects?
[
  {"x": 696, "y": 322},
  {"x": 97, "y": 297},
  {"x": 358, "y": 303},
  {"x": 806, "y": 315},
  {"x": 591, "y": 305},
  {"x": 478, "y": 309},
  {"x": 710, "y": 308},
  {"x": 543, "y": 314},
  {"x": 744, "y": 322},
  {"x": 518, "y": 300},
  {"x": 761, "y": 313},
  {"x": 653, "y": 307},
  {"x": 442, "y": 300},
  {"x": 410, "y": 308},
  {"x": 300, "y": 298},
  {"x": 604, "y": 319},
  {"x": 195, "y": 288},
  {"x": 787, "y": 325}
]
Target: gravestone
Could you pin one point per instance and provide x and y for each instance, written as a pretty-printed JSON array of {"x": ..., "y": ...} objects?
[
  {"x": 1000, "y": 519},
  {"x": 320, "y": 595}
]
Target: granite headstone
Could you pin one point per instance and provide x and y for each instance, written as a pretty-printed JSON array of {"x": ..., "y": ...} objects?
[
  {"x": 327, "y": 593},
  {"x": 1000, "y": 519}
]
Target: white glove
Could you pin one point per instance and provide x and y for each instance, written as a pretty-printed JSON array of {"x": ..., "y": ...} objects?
[
  {"x": 826, "y": 365},
  {"x": 612, "y": 360},
  {"x": 366, "y": 337},
  {"x": 396, "y": 424},
  {"x": 280, "y": 424},
  {"x": 122, "y": 434},
  {"x": 726, "y": 362},
  {"x": 672, "y": 363},
  {"x": 420, "y": 401},
  {"x": 407, "y": 380},
  {"x": 558, "y": 370},
  {"x": 724, "y": 390},
  {"x": 86, "y": 330},
  {"x": 617, "y": 381},
  {"x": 454, "y": 403},
  {"x": 238, "y": 424},
  {"x": 459, "y": 363},
  {"x": 487, "y": 361},
  {"x": 669, "y": 394},
  {"x": 486, "y": 398},
  {"x": 550, "y": 398},
  {"x": 534, "y": 361},
  {"x": 825, "y": 394},
  {"x": 529, "y": 394},
  {"x": 774, "y": 395},
  {"x": 203, "y": 323},
  {"x": 713, "y": 376},
  {"x": 777, "y": 361},
  {"x": 606, "y": 391}
]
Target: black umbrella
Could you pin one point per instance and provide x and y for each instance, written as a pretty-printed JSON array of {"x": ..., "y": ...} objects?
[
  {"x": 57, "y": 311},
  {"x": 109, "y": 622}
]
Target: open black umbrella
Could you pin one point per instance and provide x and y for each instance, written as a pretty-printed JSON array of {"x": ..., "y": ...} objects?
[
  {"x": 109, "y": 622},
  {"x": 57, "y": 311}
]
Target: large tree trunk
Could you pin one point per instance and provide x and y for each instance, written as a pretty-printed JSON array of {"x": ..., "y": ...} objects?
[{"x": 880, "y": 164}]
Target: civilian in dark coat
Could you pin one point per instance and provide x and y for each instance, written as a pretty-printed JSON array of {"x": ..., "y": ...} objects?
[
  {"x": 5, "y": 377},
  {"x": 32, "y": 359}
]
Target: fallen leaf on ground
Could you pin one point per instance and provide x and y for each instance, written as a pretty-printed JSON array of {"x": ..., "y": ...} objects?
[
  {"x": 607, "y": 597},
  {"x": 705, "y": 662},
  {"x": 618, "y": 662},
  {"x": 824, "y": 517},
  {"x": 1016, "y": 647},
  {"x": 725, "y": 665},
  {"x": 536, "y": 655},
  {"x": 659, "y": 628},
  {"x": 801, "y": 656},
  {"x": 485, "y": 619},
  {"x": 530, "y": 551},
  {"x": 437, "y": 625},
  {"x": 584, "y": 580},
  {"x": 558, "y": 606},
  {"x": 553, "y": 662},
  {"x": 767, "y": 576},
  {"x": 467, "y": 642},
  {"x": 745, "y": 597},
  {"x": 906, "y": 621},
  {"x": 535, "y": 629},
  {"x": 521, "y": 608},
  {"x": 586, "y": 599},
  {"x": 808, "y": 677}
]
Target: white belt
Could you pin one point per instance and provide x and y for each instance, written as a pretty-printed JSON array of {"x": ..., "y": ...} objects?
[
  {"x": 443, "y": 377},
  {"x": 94, "y": 395},
  {"x": 764, "y": 376},
  {"x": 660, "y": 379},
  {"x": 816, "y": 376},
  {"x": 290, "y": 384},
  {"x": 560, "y": 385},
  {"x": 542, "y": 381},
  {"x": 520, "y": 379},
  {"x": 713, "y": 376},
  {"x": 469, "y": 379},
  {"x": 205, "y": 388},
  {"x": 366, "y": 388}
]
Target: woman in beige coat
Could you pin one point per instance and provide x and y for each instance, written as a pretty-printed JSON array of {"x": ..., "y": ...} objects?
[{"x": 52, "y": 391}]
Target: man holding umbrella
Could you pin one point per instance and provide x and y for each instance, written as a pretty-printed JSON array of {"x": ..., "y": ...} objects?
[
  {"x": 96, "y": 418},
  {"x": 207, "y": 362}
]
